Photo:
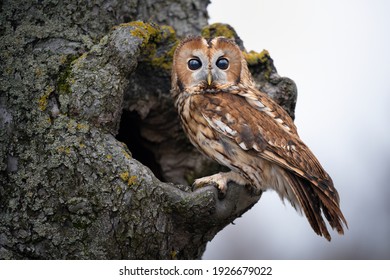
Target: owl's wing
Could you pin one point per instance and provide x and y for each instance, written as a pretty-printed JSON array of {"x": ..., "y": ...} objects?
[
  {"x": 263, "y": 126},
  {"x": 258, "y": 125}
]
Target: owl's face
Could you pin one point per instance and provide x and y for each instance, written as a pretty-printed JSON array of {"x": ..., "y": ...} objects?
[{"x": 208, "y": 64}]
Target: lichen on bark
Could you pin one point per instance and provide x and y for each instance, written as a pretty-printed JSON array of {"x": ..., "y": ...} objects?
[{"x": 75, "y": 78}]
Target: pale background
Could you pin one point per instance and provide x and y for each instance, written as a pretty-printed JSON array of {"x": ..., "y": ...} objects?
[{"x": 338, "y": 53}]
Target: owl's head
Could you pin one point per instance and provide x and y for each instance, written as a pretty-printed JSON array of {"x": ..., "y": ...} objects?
[{"x": 208, "y": 64}]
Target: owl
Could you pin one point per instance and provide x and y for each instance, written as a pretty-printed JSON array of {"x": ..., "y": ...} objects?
[{"x": 229, "y": 120}]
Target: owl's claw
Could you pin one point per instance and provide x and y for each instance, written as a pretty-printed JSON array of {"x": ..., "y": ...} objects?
[
  {"x": 197, "y": 185},
  {"x": 217, "y": 180},
  {"x": 220, "y": 181},
  {"x": 221, "y": 189}
]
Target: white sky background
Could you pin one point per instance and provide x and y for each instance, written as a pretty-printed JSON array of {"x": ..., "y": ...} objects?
[{"x": 338, "y": 53}]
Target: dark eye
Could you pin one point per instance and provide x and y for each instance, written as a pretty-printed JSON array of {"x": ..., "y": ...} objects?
[
  {"x": 222, "y": 63},
  {"x": 194, "y": 64}
]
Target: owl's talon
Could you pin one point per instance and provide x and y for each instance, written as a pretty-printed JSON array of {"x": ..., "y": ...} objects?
[
  {"x": 218, "y": 180},
  {"x": 221, "y": 191},
  {"x": 200, "y": 185}
]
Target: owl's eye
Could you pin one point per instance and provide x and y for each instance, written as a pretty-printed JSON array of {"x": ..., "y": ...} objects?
[
  {"x": 194, "y": 64},
  {"x": 222, "y": 63}
]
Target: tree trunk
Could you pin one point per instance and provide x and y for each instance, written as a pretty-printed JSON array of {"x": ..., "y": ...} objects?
[{"x": 90, "y": 140}]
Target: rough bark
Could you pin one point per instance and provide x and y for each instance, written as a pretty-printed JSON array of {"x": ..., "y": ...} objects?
[{"x": 84, "y": 91}]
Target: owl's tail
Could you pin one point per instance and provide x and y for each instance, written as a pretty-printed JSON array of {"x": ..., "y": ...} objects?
[{"x": 318, "y": 197}]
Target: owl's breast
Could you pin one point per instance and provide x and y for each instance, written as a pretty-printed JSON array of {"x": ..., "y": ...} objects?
[
  {"x": 204, "y": 137},
  {"x": 193, "y": 123}
]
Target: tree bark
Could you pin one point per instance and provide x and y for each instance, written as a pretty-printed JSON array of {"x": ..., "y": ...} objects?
[{"x": 84, "y": 99}]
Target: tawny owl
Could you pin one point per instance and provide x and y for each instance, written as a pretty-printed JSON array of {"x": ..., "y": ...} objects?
[{"x": 230, "y": 121}]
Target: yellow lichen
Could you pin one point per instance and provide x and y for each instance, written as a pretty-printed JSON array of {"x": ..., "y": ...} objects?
[
  {"x": 218, "y": 29},
  {"x": 9, "y": 70},
  {"x": 79, "y": 61},
  {"x": 129, "y": 180},
  {"x": 143, "y": 30},
  {"x": 164, "y": 60},
  {"x": 38, "y": 72},
  {"x": 104, "y": 40},
  {"x": 125, "y": 151},
  {"x": 62, "y": 59},
  {"x": 132, "y": 180},
  {"x": 168, "y": 30},
  {"x": 262, "y": 60},
  {"x": 253, "y": 57},
  {"x": 124, "y": 176},
  {"x": 174, "y": 255},
  {"x": 127, "y": 155},
  {"x": 73, "y": 126},
  {"x": 82, "y": 126},
  {"x": 43, "y": 100},
  {"x": 109, "y": 157},
  {"x": 63, "y": 149},
  {"x": 154, "y": 38}
]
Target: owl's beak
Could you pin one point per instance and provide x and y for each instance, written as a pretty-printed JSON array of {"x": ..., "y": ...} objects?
[{"x": 209, "y": 78}]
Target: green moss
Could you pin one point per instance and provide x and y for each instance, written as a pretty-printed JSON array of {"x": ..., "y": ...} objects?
[
  {"x": 64, "y": 79},
  {"x": 218, "y": 29},
  {"x": 163, "y": 59}
]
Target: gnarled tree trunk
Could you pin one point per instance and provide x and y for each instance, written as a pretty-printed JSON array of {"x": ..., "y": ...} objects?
[{"x": 84, "y": 109}]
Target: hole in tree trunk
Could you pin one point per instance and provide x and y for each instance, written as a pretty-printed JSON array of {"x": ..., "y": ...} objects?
[
  {"x": 130, "y": 134},
  {"x": 158, "y": 142}
]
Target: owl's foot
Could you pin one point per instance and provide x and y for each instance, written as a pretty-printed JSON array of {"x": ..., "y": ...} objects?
[{"x": 220, "y": 181}]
